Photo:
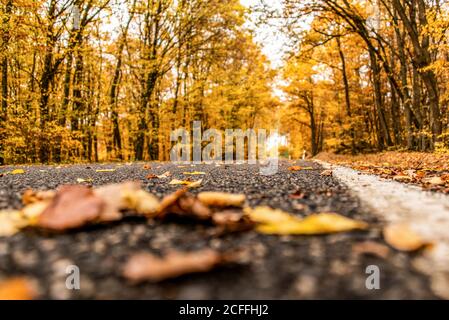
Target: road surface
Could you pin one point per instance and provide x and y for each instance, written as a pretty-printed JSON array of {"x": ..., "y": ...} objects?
[{"x": 280, "y": 267}]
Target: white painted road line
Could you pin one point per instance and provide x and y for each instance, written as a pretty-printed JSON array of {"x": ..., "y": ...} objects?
[{"x": 426, "y": 212}]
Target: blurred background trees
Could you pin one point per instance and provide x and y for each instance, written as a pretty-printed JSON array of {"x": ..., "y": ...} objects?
[
  {"x": 97, "y": 80},
  {"x": 102, "y": 80},
  {"x": 386, "y": 64}
]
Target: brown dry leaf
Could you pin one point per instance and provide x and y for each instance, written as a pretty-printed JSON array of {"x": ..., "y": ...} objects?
[
  {"x": 11, "y": 221},
  {"x": 18, "y": 288},
  {"x": 403, "y": 238},
  {"x": 31, "y": 196},
  {"x": 115, "y": 197},
  {"x": 298, "y": 194},
  {"x": 72, "y": 207},
  {"x": 169, "y": 201},
  {"x": 164, "y": 175},
  {"x": 151, "y": 176},
  {"x": 148, "y": 267},
  {"x": 191, "y": 206},
  {"x": 295, "y": 168},
  {"x": 326, "y": 173},
  {"x": 221, "y": 199},
  {"x": 371, "y": 248},
  {"x": 142, "y": 202},
  {"x": 279, "y": 222},
  {"x": 146, "y": 167},
  {"x": 184, "y": 204}
]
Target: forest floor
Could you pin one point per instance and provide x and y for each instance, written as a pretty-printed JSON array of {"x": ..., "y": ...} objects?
[{"x": 331, "y": 266}]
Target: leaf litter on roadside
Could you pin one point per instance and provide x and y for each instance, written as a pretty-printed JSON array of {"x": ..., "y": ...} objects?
[{"x": 430, "y": 171}]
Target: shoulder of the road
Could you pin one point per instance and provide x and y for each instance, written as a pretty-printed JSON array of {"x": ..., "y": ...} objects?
[{"x": 427, "y": 213}]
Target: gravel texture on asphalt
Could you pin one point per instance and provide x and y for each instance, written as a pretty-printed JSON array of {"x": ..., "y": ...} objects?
[{"x": 278, "y": 267}]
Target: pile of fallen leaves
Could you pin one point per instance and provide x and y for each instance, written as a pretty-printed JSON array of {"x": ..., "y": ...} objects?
[
  {"x": 76, "y": 206},
  {"x": 430, "y": 171}
]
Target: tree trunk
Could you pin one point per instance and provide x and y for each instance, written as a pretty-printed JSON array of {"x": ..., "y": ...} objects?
[
  {"x": 4, "y": 67},
  {"x": 347, "y": 95}
]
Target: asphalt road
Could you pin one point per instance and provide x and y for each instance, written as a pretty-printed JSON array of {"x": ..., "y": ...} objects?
[{"x": 279, "y": 267}]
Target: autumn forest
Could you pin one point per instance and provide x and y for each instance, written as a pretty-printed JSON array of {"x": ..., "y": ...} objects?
[{"x": 108, "y": 80}]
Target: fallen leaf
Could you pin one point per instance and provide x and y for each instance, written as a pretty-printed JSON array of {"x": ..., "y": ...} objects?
[
  {"x": 298, "y": 194},
  {"x": 115, "y": 198},
  {"x": 72, "y": 207},
  {"x": 185, "y": 182},
  {"x": 435, "y": 181},
  {"x": 142, "y": 202},
  {"x": 146, "y": 167},
  {"x": 18, "y": 171},
  {"x": 189, "y": 205},
  {"x": 105, "y": 170},
  {"x": 164, "y": 175},
  {"x": 195, "y": 184},
  {"x": 148, "y": 267},
  {"x": 295, "y": 168},
  {"x": 232, "y": 220},
  {"x": 371, "y": 248},
  {"x": 222, "y": 199},
  {"x": 152, "y": 176},
  {"x": 18, "y": 288},
  {"x": 33, "y": 211},
  {"x": 11, "y": 221},
  {"x": 403, "y": 238},
  {"x": 195, "y": 173},
  {"x": 274, "y": 221},
  {"x": 31, "y": 196},
  {"x": 169, "y": 200},
  {"x": 326, "y": 173},
  {"x": 267, "y": 215},
  {"x": 81, "y": 180}
]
